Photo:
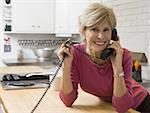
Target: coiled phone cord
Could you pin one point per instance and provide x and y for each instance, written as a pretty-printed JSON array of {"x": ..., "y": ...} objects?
[
  {"x": 59, "y": 66},
  {"x": 49, "y": 84}
]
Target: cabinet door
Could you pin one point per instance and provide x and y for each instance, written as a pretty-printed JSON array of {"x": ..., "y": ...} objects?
[
  {"x": 75, "y": 9},
  {"x": 66, "y": 15},
  {"x": 32, "y": 17},
  {"x": 61, "y": 16}
]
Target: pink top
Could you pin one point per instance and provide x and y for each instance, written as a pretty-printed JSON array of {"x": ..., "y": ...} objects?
[{"x": 98, "y": 80}]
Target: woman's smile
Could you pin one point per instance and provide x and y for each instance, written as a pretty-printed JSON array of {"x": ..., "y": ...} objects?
[{"x": 99, "y": 43}]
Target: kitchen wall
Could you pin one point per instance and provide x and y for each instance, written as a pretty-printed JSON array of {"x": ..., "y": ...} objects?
[
  {"x": 0, "y": 31},
  {"x": 21, "y": 41},
  {"x": 28, "y": 42},
  {"x": 133, "y": 25}
]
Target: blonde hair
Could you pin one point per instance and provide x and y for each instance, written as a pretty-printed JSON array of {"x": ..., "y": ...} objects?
[{"x": 96, "y": 14}]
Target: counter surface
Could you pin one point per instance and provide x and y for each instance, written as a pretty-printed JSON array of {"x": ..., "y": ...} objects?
[{"x": 23, "y": 101}]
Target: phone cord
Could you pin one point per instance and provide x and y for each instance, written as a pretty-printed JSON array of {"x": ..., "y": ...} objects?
[{"x": 49, "y": 84}]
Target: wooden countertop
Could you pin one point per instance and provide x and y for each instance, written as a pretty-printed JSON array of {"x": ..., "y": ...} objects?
[
  {"x": 20, "y": 69},
  {"x": 23, "y": 101}
]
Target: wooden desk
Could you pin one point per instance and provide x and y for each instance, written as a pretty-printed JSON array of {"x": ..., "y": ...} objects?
[{"x": 23, "y": 101}]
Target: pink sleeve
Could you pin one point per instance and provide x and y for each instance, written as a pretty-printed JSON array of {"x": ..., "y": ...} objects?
[
  {"x": 122, "y": 104},
  {"x": 68, "y": 99}
]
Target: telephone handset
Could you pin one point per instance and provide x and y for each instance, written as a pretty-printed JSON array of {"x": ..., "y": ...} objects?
[
  {"x": 108, "y": 51},
  {"x": 65, "y": 44}
]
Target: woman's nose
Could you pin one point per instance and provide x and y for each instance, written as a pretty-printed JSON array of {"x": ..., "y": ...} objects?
[{"x": 100, "y": 35}]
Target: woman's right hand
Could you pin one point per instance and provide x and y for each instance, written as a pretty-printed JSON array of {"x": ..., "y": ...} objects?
[
  {"x": 66, "y": 83},
  {"x": 65, "y": 49}
]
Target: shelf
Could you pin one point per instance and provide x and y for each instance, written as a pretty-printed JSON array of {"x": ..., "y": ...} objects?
[
  {"x": 8, "y": 32},
  {"x": 7, "y": 19},
  {"x": 14, "y": 33},
  {"x": 8, "y": 5}
]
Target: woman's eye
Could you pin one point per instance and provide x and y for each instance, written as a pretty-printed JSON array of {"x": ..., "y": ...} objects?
[
  {"x": 107, "y": 29},
  {"x": 94, "y": 29}
]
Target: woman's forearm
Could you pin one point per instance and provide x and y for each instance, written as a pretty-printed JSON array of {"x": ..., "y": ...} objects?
[
  {"x": 119, "y": 86},
  {"x": 119, "y": 82},
  {"x": 66, "y": 84}
]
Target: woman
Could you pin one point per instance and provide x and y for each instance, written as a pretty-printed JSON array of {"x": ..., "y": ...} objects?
[{"x": 109, "y": 79}]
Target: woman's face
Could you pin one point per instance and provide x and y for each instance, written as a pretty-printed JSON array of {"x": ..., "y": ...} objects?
[{"x": 98, "y": 37}]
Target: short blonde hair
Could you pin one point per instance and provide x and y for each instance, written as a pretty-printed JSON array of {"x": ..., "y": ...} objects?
[{"x": 96, "y": 14}]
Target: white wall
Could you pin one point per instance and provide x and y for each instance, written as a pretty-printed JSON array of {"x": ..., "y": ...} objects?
[{"x": 133, "y": 25}]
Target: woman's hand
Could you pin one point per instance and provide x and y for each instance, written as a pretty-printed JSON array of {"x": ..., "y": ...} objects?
[
  {"x": 116, "y": 59},
  {"x": 65, "y": 49},
  {"x": 66, "y": 83}
]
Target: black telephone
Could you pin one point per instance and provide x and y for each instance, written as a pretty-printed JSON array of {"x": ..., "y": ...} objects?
[
  {"x": 68, "y": 41},
  {"x": 108, "y": 51}
]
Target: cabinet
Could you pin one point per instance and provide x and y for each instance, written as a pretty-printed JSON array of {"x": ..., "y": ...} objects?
[
  {"x": 61, "y": 16},
  {"x": 43, "y": 16},
  {"x": 66, "y": 15},
  {"x": 32, "y": 16},
  {"x": 75, "y": 9}
]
